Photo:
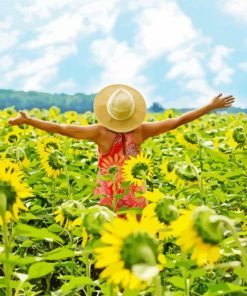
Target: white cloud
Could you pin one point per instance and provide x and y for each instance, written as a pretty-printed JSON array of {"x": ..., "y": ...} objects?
[
  {"x": 218, "y": 65},
  {"x": 81, "y": 19},
  {"x": 8, "y": 36},
  {"x": 236, "y": 8},
  {"x": 6, "y": 62},
  {"x": 37, "y": 72},
  {"x": 201, "y": 88},
  {"x": 66, "y": 86},
  {"x": 163, "y": 28},
  {"x": 187, "y": 69},
  {"x": 243, "y": 66},
  {"x": 120, "y": 63},
  {"x": 37, "y": 81},
  {"x": 40, "y": 9}
]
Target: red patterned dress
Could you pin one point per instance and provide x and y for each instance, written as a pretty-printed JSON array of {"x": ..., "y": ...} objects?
[{"x": 123, "y": 146}]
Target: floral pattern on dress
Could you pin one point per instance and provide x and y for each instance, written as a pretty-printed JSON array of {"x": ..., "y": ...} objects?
[{"x": 113, "y": 161}]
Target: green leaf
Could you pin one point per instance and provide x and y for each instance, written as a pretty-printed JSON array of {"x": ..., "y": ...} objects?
[
  {"x": 178, "y": 282},
  {"x": 224, "y": 289},
  {"x": 55, "y": 228},
  {"x": 131, "y": 293},
  {"x": 17, "y": 260},
  {"x": 59, "y": 253},
  {"x": 241, "y": 272},
  {"x": 39, "y": 233},
  {"x": 40, "y": 269},
  {"x": 197, "y": 273},
  {"x": 28, "y": 216},
  {"x": 76, "y": 283}
]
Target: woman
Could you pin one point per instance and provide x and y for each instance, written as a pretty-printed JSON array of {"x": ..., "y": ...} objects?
[{"x": 119, "y": 133}]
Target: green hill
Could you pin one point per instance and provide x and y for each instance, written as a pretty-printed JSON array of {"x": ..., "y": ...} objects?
[{"x": 78, "y": 102}]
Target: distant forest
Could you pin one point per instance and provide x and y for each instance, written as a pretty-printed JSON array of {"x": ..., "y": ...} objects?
[{"x": 78, "y": 102}]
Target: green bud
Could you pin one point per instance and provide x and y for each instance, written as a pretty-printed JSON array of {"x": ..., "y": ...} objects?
[
  {"x": 139, "y": 248},
  {"x": 239, "y": 135},
  {"x": 166, "y": 211},
  {"x": 186, "y": 171},
  {"x": 72, "y": 209},
  {"x": 95, "y": 217},
  {"x": 210, "y": 232},
  {"x": 191, "y": 137}
]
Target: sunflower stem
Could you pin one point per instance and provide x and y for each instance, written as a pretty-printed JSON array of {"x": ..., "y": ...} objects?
[
  {"x": 187, "y": 287},
  {"x": 157, "y": 286},
  {"x": 88, "y": 273},
  {"x": 7, "y": 268},
  {"x": 53, "y": 196},
  {"x": 67, "y": 180},
  {"x": 234, "y": 233},
  {"x": 111, "y": 290},
  {"x": 200, "y": 183}
]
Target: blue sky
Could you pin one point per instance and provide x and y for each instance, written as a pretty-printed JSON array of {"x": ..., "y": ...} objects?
[{"x": 179, "y": 53}]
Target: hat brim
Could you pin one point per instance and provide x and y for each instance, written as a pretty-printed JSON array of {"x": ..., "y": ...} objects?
[{"x": 104, "y": 118}]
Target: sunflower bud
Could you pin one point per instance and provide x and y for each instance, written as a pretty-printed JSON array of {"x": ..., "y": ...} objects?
[
  {"x": 210, "y": 232},
  {"x": 166, "y": 211},
  {"x": 72, "y": 209},
  {"x": 186, "y": 171},
  {"x": 95, "y": 217},
  {"x": 239, "y": 135},
  {"x": 191, "y": 137},
  {"x": 139, "y": 248}
]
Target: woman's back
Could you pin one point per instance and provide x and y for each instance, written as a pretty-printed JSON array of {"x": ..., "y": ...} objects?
[{"x": 110, "y": 161}]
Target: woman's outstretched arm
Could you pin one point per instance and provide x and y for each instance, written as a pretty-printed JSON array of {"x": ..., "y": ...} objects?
[
  {"x": 151, "y": 129},
  {"x": 90, "y": 132}
]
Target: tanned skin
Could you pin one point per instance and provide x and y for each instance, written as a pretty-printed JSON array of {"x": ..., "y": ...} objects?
[{"x": 104, "y": 137}]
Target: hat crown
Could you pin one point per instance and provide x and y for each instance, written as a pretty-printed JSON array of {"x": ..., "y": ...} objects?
[{"x": 121, "y": 104}]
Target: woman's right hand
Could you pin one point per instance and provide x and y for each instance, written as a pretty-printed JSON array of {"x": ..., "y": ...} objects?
[{"x": 22, "y": 118}]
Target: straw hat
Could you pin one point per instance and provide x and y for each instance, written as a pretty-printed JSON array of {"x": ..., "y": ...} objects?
[{"x": 119, "y": 107}]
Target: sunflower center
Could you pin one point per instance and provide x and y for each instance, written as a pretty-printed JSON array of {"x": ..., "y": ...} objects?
[
  {"x": 12, "y": 138},
  {"x": 55, "y": 161},
  {"x": 210, "y": 232},
  {"x": 51, "y": 145},
  {"x": 165, "y": 211},
  {"x": 139, "y": 248},
  {"x": 140, "y": 170},
  {"x": 191, "y": 137},
  {"x": 9, "y": 192}
]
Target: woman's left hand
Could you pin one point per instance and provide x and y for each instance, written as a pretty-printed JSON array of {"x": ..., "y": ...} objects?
[{"x": 221, "y": 102}]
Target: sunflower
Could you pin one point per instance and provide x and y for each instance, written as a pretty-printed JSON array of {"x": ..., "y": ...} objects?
[
  {"x": 169, "y": 172},
  {"x": 188, "y": 139},
  {"x": 71, "y": 116},
  {"x": 13, "y": 190},
  {"x": 230, "y": 139},
  {"x": 195, "y": 231},
  {"x": 69, "y": 214},
  {"x": 52, "y": 163},
  {"x": 131, "y": 255},
  {"x": 162, "y": 208},
  {"x": 136, "y": 169},
  {"x": 180, "y": 174},
  {"x": 12, "y": 166},
  {"x": 12, "y": 138},
  {"x": 48, "y": 143}
]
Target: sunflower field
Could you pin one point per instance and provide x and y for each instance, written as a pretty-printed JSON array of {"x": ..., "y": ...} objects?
[{"x": 190, "y": 239}]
